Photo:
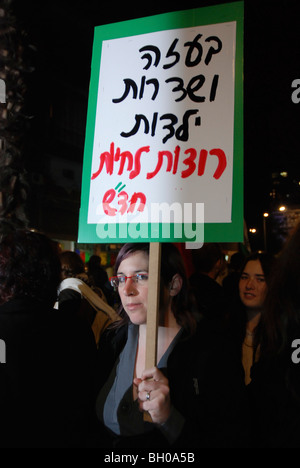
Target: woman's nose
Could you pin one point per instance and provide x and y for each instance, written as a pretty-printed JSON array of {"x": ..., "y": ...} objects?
[
  {"x": 250, "y": 283},
  {"x": 129, "y": 287}
]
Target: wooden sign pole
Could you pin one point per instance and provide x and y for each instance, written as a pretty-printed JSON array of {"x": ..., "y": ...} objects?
[{"x": 153, "y": 309}]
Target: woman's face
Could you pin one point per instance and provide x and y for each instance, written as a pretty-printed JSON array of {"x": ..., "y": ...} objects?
[
  {"x": 252, "y": 285},
  {"x": 134, "y": 295}
]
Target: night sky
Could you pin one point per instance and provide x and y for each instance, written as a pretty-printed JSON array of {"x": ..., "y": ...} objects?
[{"x": 63, "y": 35}]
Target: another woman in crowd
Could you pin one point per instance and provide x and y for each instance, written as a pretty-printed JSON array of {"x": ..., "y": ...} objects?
[
  {"x": 195, "y": 394},
  {"x": 246, "y": 311},
  {"x": 275, "y": 386}
]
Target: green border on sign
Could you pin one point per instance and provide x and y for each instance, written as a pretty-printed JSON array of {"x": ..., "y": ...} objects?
[{"x": 213, "y": 232}]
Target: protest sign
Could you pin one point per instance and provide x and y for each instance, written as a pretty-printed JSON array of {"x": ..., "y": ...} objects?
[
  {"x": 164, "y": 138},
  {"x": 163, "y": 154}
]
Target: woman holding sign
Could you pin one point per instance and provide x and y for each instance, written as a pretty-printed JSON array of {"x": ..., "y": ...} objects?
[{"x": 195, "y": 395}]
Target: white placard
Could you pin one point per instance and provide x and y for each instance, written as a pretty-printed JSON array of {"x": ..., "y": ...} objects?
[{"x": 165, "y": 133}]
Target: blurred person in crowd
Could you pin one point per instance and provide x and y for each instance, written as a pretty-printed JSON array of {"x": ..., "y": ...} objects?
[
  {"x": 231, "y": 280},
  {"x": 245, "y": 312},
  {"x": 46, "y": 376},
  {"x": 77, "y": 295},
  {"x": 99, "y": 278},
  {"x": 275, "y": 385},
  {"x": 195, "y": 394},
  {"x": 209, "y": 263}
]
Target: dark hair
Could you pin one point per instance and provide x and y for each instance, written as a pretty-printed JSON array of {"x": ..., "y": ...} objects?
[
  {"x": 236, "y": 261},
  {"x": 282, "y": 306},
  {"x": 94, "y": 262},
  {"x": 238, "y": 312},
  {"x": 171, "y": 264},
  {"x": 281, "y": 320},
  {"x": 266, "y": 260},
  {"x": 204, "y": 259},
  {"x": 6, "y": 227},
  {"x": 29, "y": 267},
  {"x": 71, "y": 264}
]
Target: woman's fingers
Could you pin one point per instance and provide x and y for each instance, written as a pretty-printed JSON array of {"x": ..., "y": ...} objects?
[{"x": 154, "y": 395}]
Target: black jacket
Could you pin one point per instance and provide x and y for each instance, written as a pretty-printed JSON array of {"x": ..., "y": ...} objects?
[
  {"x": 207, "y": 387},
  {"x": 274, "y": 394},
  {"x": 46, "y": 377}
]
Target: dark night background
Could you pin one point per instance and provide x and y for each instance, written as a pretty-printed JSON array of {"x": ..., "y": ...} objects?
[{"x": 62, "y": 33}]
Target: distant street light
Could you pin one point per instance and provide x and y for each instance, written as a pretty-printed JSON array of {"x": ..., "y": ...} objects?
[
  {"x": 265, "y": 215},
  {"x": 282, "y": 208}
]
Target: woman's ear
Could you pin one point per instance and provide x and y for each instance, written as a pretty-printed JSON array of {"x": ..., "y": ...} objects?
[{"x": 175, "y": 285}]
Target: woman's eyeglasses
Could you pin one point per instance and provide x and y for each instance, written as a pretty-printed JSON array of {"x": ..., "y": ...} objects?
[{"x": 119, "y": 281}]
